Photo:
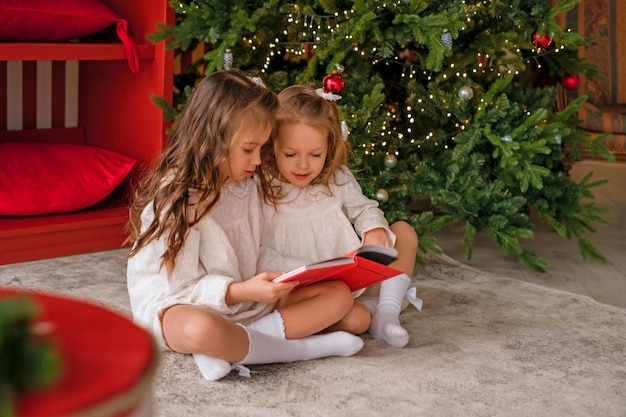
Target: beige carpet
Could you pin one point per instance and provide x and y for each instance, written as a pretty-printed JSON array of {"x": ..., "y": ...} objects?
[{"x": 483, "y": 345}]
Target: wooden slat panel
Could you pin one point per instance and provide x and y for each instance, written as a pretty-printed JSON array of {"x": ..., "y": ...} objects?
[
  {"x": 29, "y": 95},
  {"x": 43, "y": 97},
  {"x": 71, "y": 93},
  {"x": 38, "y": 94},
  {"x": 58, "y": 94},
  {"x": 14, "y": 95}
]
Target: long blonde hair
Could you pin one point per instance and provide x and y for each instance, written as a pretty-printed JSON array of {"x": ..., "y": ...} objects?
[
  {"x": 301, "y": 104},
  {"x": 222, "y": 104}
]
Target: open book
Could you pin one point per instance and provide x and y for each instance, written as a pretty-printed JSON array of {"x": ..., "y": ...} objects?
[{"x": 359, "y": 269}]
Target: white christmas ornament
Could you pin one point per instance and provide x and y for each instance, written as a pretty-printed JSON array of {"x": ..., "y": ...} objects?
[
  {"x": 446, "y": 38},
  {"x": 507, "y": 138},
  {"x": 382, "y": 195},
  {"x": 228, "y": 59},
  {"x": 465, "y": 93},
  {"x": 390, "y": 161},
  {"x": 344, "y": 130}
]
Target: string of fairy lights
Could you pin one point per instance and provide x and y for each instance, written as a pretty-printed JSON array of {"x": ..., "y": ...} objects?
[{"x": 305, "y": 32}]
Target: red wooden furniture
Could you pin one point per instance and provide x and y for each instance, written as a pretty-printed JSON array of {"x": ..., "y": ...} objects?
[
  {"x": 113, "y": 110},
  {"x": 108, "y": 363}
]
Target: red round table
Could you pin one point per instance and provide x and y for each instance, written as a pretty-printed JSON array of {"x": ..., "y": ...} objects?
[{"x": 108, "y": 362}]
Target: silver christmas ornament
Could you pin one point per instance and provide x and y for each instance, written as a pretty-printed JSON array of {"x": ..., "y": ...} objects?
[
  {"x": 345, "y": 131},
  {"x": 507, "y": 138},
  {"x": 390, "y": 161},
  {"x": 228, "y": 59},
  {"x": 446, "y": 38},
  {"x": 558, "y": 139},
  {"x": 465, "y": 93},
  {"x": 382, "y": 195}
]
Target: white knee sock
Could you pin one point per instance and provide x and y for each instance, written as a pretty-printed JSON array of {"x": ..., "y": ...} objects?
[
  {"x": 385, "y": 320},
  {"x": 268, "y": 349},
  {"x": 213, "y": 369},
  {"x": 410, "y": 297},
  {"x": 271, "y": 325},
  {"x": 369, "y": 302}
]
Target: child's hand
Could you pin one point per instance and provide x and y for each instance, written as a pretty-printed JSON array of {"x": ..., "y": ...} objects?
[
  {"x": 376, "y": 237},
  {"x": 259, "y": 288}
]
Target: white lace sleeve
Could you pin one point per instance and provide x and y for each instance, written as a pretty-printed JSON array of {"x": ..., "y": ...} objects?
[{"x": 363, "y": 212}]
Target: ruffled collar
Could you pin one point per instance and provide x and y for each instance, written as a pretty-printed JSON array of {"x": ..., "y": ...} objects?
[
  {"x": 240, "y": 188},
  {"x": 237, "y": 188},
  {"x": 290, "y": 192}
]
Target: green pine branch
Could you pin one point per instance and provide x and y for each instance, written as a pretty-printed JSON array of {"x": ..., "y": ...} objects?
[{"x": 484, "y": 160}]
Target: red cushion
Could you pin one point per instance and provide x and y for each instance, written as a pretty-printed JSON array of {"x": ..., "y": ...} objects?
[
  {"x": 43, "y": 178},
  {"x": 61, "y": 20},
  {"x": 107, "y": 359}
]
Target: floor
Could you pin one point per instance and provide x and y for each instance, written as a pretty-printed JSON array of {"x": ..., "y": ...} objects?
[{"x": 603, "y": 281}]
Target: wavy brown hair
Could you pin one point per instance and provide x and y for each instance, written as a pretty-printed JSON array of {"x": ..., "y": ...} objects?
[
  {"x": 301, "y": 104},
  {"x": 221, "y": 106}
]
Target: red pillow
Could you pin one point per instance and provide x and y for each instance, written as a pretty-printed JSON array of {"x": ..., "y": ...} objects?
[
  {"x": 44, "y": 178},
  {"x": 61, "y": 20}
]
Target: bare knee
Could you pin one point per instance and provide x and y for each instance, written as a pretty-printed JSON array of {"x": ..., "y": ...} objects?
[
  {"x": 357, "y": 320},
  {"x": 338, "y": 299},
  {"x": 336, "y": 292},
  {"x": 406, "y": 245},
  {"x": 189, "y": 329},
  {"x": 405, "y": 233}
]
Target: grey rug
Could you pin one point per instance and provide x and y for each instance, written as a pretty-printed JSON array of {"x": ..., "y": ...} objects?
[{"x": 484, "y": 345}]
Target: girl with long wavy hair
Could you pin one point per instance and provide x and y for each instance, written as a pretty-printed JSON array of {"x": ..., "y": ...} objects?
[{"x": 195, "y": 226}]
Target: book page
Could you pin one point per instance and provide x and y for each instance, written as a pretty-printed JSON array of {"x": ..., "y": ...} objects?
[
  {"x": 381, "y": 254},
  {"x": 331, "y": 263}
]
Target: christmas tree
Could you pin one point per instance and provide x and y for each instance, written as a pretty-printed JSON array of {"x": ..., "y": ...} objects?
[{"x": 450, "y": 104}]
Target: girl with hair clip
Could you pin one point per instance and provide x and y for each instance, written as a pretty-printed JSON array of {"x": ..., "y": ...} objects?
[
  {"x": 195, "y": 225},
  {"x": 315, "y": 210}
]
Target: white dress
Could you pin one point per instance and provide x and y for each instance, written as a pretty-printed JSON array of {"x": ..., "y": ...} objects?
[
  {"x": 220, "y": 249},
  {"x": 311, "y": 225}
]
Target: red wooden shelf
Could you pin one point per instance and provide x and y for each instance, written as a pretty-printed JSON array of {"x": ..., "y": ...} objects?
[
  {"x": 114, "y": 110},
  {"x": 88, "y": 51},
  {"x": 100, "y": 227}
]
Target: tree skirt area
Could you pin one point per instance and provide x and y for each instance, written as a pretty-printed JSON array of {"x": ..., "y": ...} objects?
[{"x": 483, "y": 345}]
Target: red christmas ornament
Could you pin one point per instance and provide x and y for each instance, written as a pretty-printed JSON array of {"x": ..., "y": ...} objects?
[
  {"x": 570, "y": 81},
  {"x": 542, "y": 41},
  {"x": 333, "y": 83}
]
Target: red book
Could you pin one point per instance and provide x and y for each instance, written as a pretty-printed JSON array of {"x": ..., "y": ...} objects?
[{"x": 359, "y": 269}]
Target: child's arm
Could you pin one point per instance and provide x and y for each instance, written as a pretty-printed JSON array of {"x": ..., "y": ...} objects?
[
  {"x": 259, "y": 288},
  {"x": 376, "y": 237},
  {"x": 362, "y": 212}
]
